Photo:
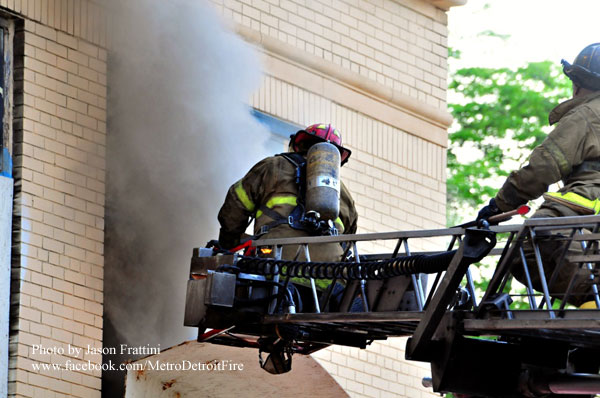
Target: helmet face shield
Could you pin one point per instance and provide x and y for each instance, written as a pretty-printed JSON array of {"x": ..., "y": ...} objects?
[{"x": 304, "y": 139}]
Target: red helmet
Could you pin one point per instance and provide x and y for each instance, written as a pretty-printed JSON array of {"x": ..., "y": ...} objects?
[{"x": 314, "y": 133}]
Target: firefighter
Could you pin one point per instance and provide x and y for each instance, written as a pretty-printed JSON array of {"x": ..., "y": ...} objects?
[
  {"x": 272, "y": 193},
  {"x": 571, "y": 154}
]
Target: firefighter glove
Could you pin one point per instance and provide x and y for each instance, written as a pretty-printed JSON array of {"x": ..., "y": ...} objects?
[{"x": 487, "y": 211}]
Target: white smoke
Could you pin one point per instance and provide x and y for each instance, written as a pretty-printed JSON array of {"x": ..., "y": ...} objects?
[{"x": 179, "y": 135}]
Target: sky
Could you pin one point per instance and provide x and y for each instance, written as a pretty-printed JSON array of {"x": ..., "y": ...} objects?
[{"x": 535, "y": 30}]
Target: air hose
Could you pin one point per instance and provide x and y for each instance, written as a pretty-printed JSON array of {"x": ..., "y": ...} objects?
[{"x": 379, "y": 269}]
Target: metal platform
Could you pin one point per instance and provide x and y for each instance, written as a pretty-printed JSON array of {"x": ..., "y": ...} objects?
[{"x": 526, "y": 329}]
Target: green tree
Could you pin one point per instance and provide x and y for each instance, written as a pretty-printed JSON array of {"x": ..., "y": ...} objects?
[{"x": 500, "y": 115}]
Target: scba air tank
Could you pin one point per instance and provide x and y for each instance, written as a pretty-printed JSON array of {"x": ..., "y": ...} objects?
[{"x": 323, "y": 180}]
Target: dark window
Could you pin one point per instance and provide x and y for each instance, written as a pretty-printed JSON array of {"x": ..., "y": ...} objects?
[{"x": 6, "y": 76}]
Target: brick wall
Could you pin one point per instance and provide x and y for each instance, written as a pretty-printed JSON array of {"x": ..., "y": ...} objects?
[
  {"x": 399, "y": 44},
  {"x": 346, "y": 62},
  {"x": 398, "y": 183},
  {"x": 396, "y": 173},
  {"x": 59, "y": 165}
]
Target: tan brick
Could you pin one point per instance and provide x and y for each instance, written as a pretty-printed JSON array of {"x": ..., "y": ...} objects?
[
  {"x": 34, "y": 89},
  {"x": 77, "y": 57},
  {"x": 77, "y": 106},
  {"x": 87, "y": 121},
  {"x": 84, "y": 392},
  {"x": 83, "y": 318},
  {"x": 45, "y": 56},
  {"x": 31, "y": 289},
  {"x": 97, "y": 113},
  {"x": 93, "y": 332},
  {"x": 54, "y": 271},
  {"x": 98, "y": 89},
  {"x": 67, "y": 40},
  {"x": 35, "y": 65},
  {"x": 52, "y": 295},
  {"x": 64, "y": 212},
  {"x": 31, "y": 264},
  {"x": 62, "y": 286},
  {"x": 88, "y": 74},
  {"x": 41, "y": 279},
  {"x": 35, "y": 41},
  {"x": 30, "y": 314},
  {"x": 73, "y": 226},
  {"x": 56, "y": 49},
  {"x": 75, "y": 277},
  {"x": 88, "y": 49},
  {"x": 78, "y": 304},
  {"x": 84, "y": 292},
  {"x": 87, "y": 97}
]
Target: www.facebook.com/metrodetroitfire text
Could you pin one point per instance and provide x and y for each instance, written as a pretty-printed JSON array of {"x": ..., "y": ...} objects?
[{"x": 82, "y": 365}]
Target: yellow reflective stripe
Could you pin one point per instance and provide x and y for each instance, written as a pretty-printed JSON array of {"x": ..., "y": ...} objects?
[
  {"x": 279, "y": 200},
  {"x": 339, "y": 222},
  {"x": 243, "y": 196},
  {"x": 282, "y": 200},
  {"x": 572, "y": 197}
]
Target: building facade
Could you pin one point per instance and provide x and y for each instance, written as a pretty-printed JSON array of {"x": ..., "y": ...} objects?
[{"x": 376, "y": 69}]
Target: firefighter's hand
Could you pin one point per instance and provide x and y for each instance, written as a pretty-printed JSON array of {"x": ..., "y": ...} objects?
[{"x": 487, "y": 211}]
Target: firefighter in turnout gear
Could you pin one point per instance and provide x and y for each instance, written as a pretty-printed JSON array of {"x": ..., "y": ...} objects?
[
  {"x": 273, "y": 194},
  {"x": 571, "y": 154}
]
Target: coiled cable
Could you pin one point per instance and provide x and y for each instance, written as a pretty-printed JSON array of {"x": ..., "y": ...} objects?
[{"x": 379, "y": 269}]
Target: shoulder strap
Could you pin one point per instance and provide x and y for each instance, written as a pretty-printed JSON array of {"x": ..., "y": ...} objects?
[
  {"x": 294, "y": 158},
  {"x": 300, "y": 163}
]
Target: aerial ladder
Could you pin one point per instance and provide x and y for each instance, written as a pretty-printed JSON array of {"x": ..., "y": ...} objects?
[{"x": 509, "y": 340}]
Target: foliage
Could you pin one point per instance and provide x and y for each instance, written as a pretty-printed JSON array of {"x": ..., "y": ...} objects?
[{"x": 500, "y": 116}]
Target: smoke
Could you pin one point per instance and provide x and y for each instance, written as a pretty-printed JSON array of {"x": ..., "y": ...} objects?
[{"x": 179, "y": 135}]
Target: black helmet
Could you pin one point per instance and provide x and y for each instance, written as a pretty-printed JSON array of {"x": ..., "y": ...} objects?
[{"x": 585, "y": 71}]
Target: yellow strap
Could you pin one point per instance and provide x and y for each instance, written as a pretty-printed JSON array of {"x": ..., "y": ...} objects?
[
  {"x": 339, "y": 222},
  {"x": 279, "y": 200},
  {"x": 243, "y": 196},
  {"x": 588, "y": 305},
  {"x": 575, "y": 201}
]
